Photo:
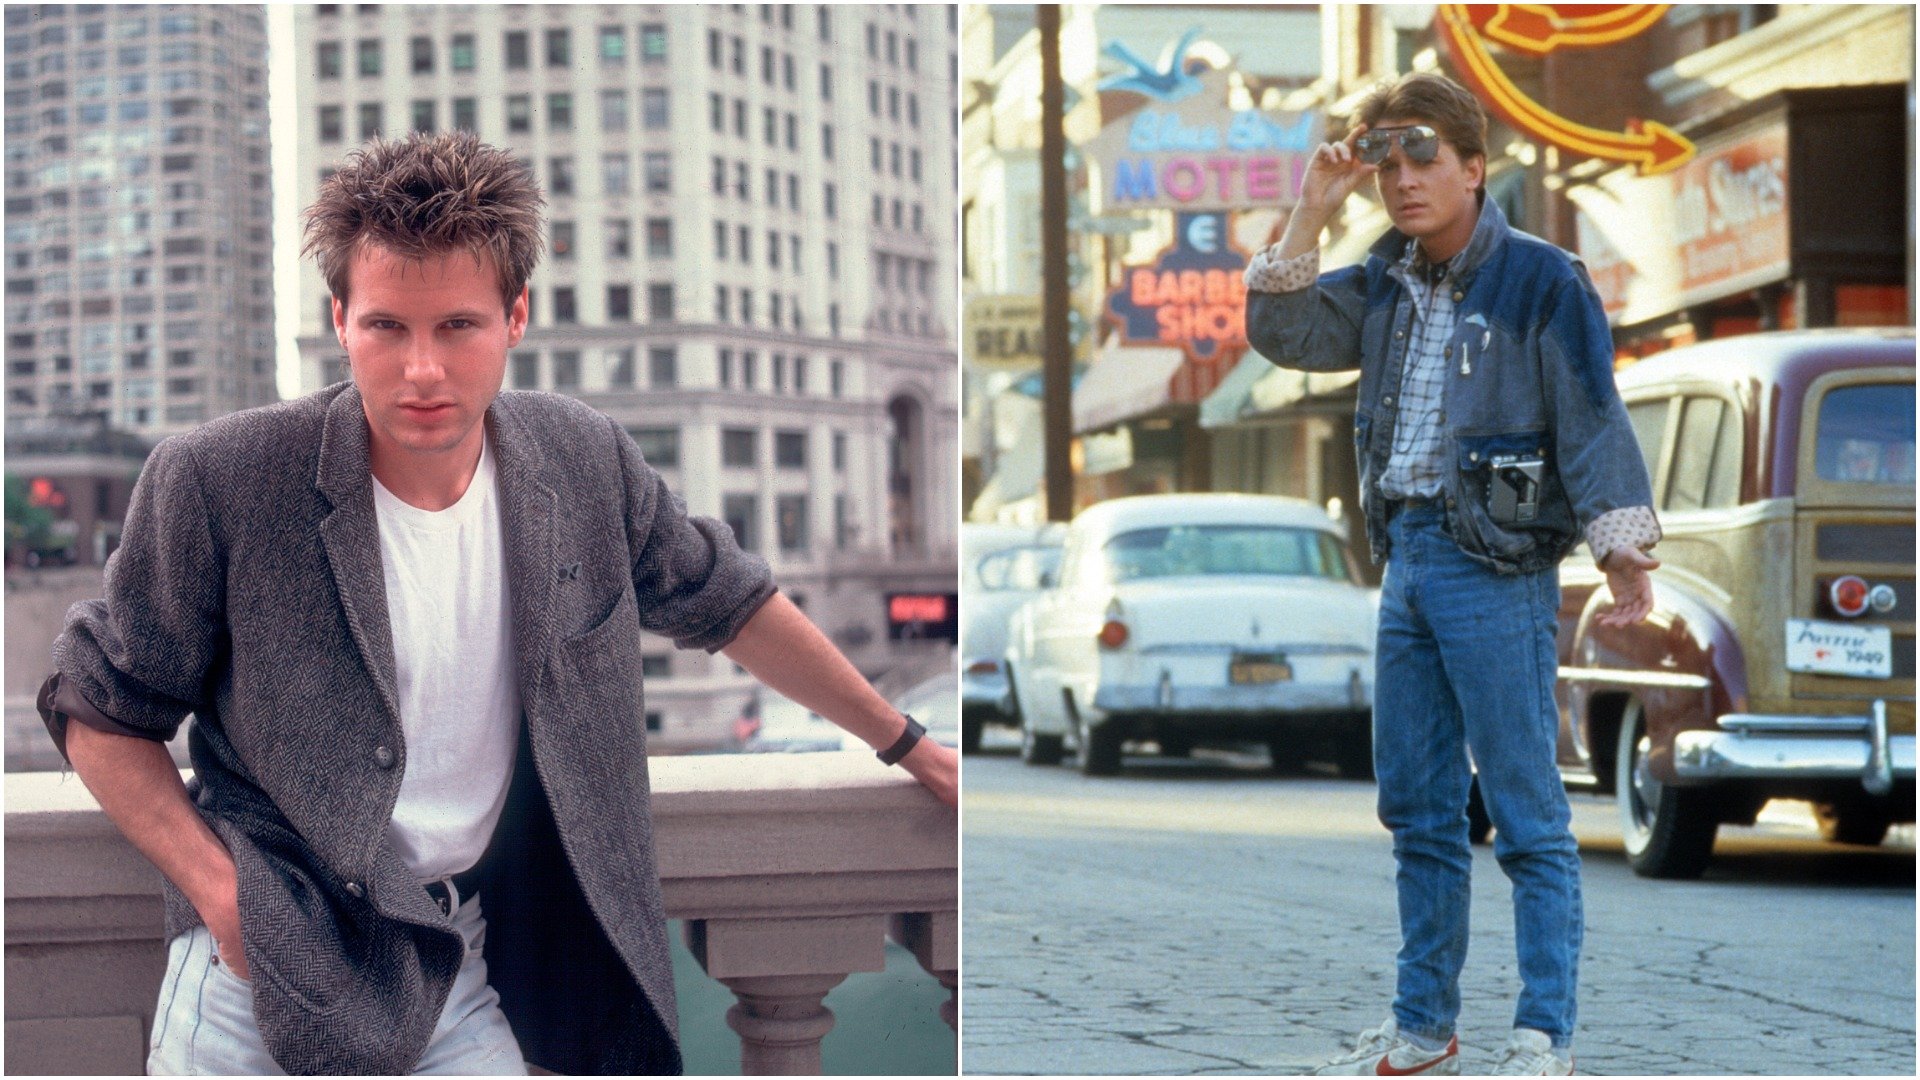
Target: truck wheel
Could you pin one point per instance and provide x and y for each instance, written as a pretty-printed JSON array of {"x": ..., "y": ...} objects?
[
  {"x": 1099, "y": 748},
  {"x": 1853, "y": 820},
  {"x": 1479, "y": 825},
  {"x": 1037, "y": 749},
  {"x": 1668, "y": 831}
]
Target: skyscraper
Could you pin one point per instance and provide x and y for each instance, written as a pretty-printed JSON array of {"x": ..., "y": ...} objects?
[
  {"x": 749, "y": 266},
  {"x": 138, "y": 201}
]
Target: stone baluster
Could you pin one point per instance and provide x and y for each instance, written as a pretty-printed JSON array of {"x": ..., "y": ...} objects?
[
  {"x": 780, "y": 969},
  {"x": 934, "y": 940}
]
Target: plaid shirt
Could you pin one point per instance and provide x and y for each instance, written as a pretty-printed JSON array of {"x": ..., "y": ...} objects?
[{"x": 1417, "y": 467}]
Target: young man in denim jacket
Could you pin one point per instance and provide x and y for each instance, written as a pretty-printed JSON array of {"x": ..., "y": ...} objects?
[{"x": 1491, "y": 441}]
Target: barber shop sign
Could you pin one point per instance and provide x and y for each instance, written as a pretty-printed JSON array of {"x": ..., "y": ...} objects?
[{"x": 1191, "y": 297}]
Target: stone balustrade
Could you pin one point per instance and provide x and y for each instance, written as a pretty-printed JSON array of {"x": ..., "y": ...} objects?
[{"x": 790, "y": 872}]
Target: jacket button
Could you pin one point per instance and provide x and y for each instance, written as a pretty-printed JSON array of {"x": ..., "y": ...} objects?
[
  {"x": 1449, "y": 504},
  {"x": 1473, "y": 456},
  {"x": 1388, "y": 400},
  {"x": 1447, "y": 352},
  {"x": 1459, "y": 296},
  {"x": 1398, "y": 334},
  {"x": 354, "y": 890},
  {"x": 383, "y": 757}
]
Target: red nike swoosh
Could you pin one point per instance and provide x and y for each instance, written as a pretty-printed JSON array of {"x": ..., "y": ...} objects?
[{"x": 1386, "y": 1069}]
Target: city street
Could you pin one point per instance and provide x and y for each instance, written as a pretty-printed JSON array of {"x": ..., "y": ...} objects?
[{"x": 1208, "y": 916}]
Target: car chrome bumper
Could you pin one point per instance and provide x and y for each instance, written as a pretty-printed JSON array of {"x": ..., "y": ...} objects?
[
  {"x": 1212, "y": 700},
  {"x": 1798, "y": 747}
]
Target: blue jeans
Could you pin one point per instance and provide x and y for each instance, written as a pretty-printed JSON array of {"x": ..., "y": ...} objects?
[
  {"x": 204, "y": 1023},
  {"x": 1466, "y": 663}
]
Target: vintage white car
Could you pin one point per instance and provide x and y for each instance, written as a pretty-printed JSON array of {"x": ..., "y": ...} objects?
[
  {"x": 1191, "y": 619},
  {"x": 1001, "y": 568}
]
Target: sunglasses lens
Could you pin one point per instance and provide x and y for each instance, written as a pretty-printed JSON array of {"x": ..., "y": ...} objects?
[
  {"x": 1421, "y": 144},
  {"x": 1373, "y": 148}
]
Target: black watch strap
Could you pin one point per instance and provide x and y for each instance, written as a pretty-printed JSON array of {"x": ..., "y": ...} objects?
[{"x": 905, "y": 743}]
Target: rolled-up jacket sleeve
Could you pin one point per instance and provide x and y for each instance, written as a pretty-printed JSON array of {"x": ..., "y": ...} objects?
[
  {"x": 1600, "y": 464},
  {"x": 693, "y": 582},
  {"x": 136, "y": 662},
  {"x": 1299, "y": 321}
]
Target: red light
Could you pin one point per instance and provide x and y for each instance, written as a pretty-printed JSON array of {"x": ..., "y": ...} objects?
[
  {"x": 906, "y": 608},
  {"x": 1849, "y": 596},
  {"x": 983, "y": 667},
  {"x": 1113, "y": 634}
]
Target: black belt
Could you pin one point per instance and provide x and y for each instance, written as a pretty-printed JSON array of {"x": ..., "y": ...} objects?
[{"x": 465, "y": 883}]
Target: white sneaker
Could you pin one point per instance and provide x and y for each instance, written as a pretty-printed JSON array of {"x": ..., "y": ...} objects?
[
  {"x": 1530, "y": 1053},
  {"x": 1384, "y": 1052}
]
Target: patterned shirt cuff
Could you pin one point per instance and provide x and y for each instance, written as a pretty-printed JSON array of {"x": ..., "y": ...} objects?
[
  {"x": 1630, "y": 526},
  {"x": 1268, "y": 272}
]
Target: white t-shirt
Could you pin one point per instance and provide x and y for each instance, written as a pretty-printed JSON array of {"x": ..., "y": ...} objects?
[{"x": 446, "y": 576}]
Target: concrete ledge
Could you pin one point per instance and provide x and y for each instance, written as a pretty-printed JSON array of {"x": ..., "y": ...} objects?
[{"x": 783, "y": 862}]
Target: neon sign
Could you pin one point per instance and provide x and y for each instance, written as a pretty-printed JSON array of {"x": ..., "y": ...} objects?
[
  {"x": 1198, "y": 154},
  {"x": 1192, "y": 297},
  {"x": 1536, "y": 30}
]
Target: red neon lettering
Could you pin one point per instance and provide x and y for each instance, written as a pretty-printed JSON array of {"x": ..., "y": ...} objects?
[{"x": 1182, "y": 179}]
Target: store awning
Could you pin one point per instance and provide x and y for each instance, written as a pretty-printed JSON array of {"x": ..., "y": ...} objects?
[
  {"x": 1229, "y": 400},
  {"x": 1124, "y": 383},
  {"x": 1285, "y": 389}
]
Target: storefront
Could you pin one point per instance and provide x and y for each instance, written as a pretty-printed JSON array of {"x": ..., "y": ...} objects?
[{"x": 1793, "y": 213}]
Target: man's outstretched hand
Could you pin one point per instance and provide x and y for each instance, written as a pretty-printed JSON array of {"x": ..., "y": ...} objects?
[
  {"x": 936, "y": 766},
  {"x": 1626, "y": 570}
]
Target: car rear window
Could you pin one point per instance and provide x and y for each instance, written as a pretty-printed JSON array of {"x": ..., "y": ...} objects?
[
  {"x": 1866, "y": 435},
  {"x": 1018, "y": 568},
  {"x": 1190, "y": 550}
]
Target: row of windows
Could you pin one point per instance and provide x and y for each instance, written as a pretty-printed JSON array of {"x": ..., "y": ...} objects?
[
  {"x": 782, "y": 312},
  {"x": 462, "y": 55},
  {"x": 464, "y": 115},
  {"x": 890, "y": 161},
  {"x": 742, "y": 371},
  {"x": 740, "y": 448},
  {"x": 127, "y": 56},
  {"x": 777, "y": 128},
  {"x": 132, "y": 23},
  {"x": 102, "y": 364},
  {"x": 791, "y": 521},
  {"x": 736, "y": 242},
  {"x": 662, "y": 372}
]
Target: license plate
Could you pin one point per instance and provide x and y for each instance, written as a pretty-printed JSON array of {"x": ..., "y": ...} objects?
[
  {"x": 1831, "y": 648},
  {"x": 1244, "y": 670}
]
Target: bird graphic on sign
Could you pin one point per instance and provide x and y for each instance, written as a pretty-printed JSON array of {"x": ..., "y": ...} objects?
[{"x": 1169, "y": 84}]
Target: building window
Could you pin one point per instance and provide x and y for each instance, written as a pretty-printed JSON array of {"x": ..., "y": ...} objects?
[
  {"x": 559, "y": 51},
  {"x": 560, "y": 175},
  {"x": 368, "y": 56},
  {"x": 717, "y": 113},
  {"x": 658, "y": 169},
  {"x": 749, "y": 368},
  {"x": 659, "y": 238},
  {"x": 653, "y": 109},
  {"x": 526, "y": 370},
  {"x": 619, "y": 303},
  {"x": 619, "y": 238},
  {"x": 722, "y": 304},
  {"x": 460, "y": 52},
  {"x": 739, "y": 448},
  {"x": 839, "y": 451},
  {"x": 836, "y": 378},
  {"x": 420, "y": 55},
  {"x": 830, "y": 198},
  {"x": 720, "y": 233},
  {"x": 659, "y": 446},
  {"x": 466, "y": 114},
  {"x": 518, "y": 55},
  {"x": 519, "y": 113},
  {"x": 329, "y": 60},
  {"x": 740, "y": 513},
  {"x": 790, "y": 513},
  {"x": 726, "y": 367},
  {"x": 333, "y": 123},
  {"x": 653, "y": 43},
  {"x": 566, "y": 371},
  {"x": 613, "y": 46},
  {"x": 613, "y": 110},
  {"x": 619, "y": 369},
  {"x": 564, "y": 310},
  {"x": 842, "y": 524},
  {"x": 790, "y": 449},
  {"x": 423, "y": 116},
  {"x": 614, "y": 169},
  {"x": 559, "y": 112},
  {"x": 660, "y": 303},
  {"x": 663, "y": 368},
  {"x": 369, "y": 120}
]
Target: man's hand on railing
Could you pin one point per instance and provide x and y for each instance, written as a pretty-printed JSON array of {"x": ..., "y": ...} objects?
[{"x": 936, "y": 766}]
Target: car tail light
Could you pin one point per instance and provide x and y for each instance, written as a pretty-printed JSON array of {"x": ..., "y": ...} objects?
[
  {"x": 983, "y": 667},
  {"x": 1113, "y": 634},
  {"x": 1849, "y": 596}
]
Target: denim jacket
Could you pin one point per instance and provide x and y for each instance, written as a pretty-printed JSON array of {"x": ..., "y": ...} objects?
[{"x": 1530, "y": 371}]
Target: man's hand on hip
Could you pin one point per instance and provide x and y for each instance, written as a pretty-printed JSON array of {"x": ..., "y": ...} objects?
[
  {"x": 221, "y": 913},
  {"x": 1626, "y": 570},
  {"x": 936, "y": 766}
]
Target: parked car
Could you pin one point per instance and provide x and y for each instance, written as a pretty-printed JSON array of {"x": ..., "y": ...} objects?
[
  {"x": 1191, "y": 619},
  {"x": 1001, "y": 568},
  {"x": 1779, "y": 658}
]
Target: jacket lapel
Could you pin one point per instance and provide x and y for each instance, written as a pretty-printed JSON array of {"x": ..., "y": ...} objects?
[
  {"x": 529, "y": 512},
  {"x": 351, "y": 536}
]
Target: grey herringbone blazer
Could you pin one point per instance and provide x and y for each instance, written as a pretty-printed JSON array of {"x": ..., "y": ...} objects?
[{"x": 248, "y": 591}]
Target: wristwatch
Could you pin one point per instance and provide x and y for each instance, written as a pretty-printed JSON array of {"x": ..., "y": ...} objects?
[{"x": 905, "y": 743}]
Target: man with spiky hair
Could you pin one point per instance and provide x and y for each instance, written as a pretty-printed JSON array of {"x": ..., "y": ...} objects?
[{"x": 406, "y": 612}]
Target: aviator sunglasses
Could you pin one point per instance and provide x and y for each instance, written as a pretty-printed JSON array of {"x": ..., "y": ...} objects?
[{"x": 1420, "y": 143}]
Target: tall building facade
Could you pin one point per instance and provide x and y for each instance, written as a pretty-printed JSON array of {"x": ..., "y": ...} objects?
[
  {"x": 750, "y": 266},
  {"x": 138, "y": 206}
]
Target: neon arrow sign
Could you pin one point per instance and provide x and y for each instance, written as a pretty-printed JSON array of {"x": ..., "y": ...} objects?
[{"x": 1538, "y": 29}]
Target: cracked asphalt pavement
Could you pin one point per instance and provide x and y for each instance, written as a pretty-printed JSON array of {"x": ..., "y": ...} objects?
[{"x": 1208, "y": 916}]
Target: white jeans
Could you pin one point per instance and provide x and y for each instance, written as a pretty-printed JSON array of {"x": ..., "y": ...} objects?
[{"x": 204, "y": 1022}]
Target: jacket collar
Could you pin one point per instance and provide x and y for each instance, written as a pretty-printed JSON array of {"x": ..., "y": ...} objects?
[
  {"x": 351, "y": 536},
  {"x": 1489, "y": 233}
]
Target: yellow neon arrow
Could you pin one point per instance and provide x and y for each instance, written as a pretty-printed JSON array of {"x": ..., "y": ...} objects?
[
  {"x": 1538, "y": 29},
  {"x": 1656, "y": 148}
]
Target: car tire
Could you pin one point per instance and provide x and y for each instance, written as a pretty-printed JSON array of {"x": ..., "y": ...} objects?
[
  {"x": 1285, "y": 755},
  {"x": 1036, "y": 749},
  {"x": 1856, "y": 820},
  {"x": 1174, "y": 747},
  {"x": 1353, "y": 753},
  {"x": 1099, "y": 748},
  {"x": 1479, "y": 825},
  {"x": 1668, "y": 831}
]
